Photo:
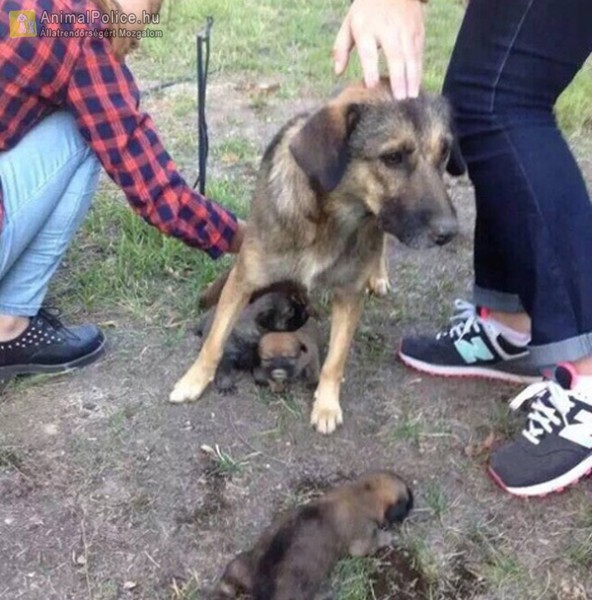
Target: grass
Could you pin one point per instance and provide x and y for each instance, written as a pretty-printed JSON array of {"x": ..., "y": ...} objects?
[
  {"x": 437, "y": 500},
  {"x": 352, "y": 579},
  {"x": 223, "y": 463},
  {"x": 188, "y": 590},
  {"x": 408, "y": 428}
]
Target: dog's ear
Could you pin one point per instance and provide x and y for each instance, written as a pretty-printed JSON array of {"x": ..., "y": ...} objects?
[
  {"x": 456, "y": 163},
  {"x": 321, "y": 147}
]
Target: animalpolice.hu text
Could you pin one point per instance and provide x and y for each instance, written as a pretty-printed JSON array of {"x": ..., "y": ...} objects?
[{"x": 113, "y": 17}]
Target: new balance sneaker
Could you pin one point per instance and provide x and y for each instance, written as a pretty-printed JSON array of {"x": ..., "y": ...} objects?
[
  {"x": 47, "y": 346},
  {"x": 555, "y": 448},
  {"x": 472, "y": 347}
]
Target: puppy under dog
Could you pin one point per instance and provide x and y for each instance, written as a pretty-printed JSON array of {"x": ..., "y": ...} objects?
[
  {"x": 331, "y": 186},
  {"x": 296, "y": 553},
  {"x": 287, "y": 357},
  {"x": 284, "y": 309}
]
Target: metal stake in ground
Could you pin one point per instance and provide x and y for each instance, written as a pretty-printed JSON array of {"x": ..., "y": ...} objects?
[{"x": 203, "y": 64}]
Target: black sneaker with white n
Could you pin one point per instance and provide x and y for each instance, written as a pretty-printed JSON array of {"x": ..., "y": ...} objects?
[
  {"x": 555, "y": 448},
  {"x": 472, "y": 347}
]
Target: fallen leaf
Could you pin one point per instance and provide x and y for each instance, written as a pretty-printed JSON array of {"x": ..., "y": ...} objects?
[{"x": 484, "y": 447}]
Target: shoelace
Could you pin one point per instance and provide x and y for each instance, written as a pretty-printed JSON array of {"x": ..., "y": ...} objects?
[
  {"x": 51, "y": 316},
  {"x": 550, "y": 405},
  {"x": 464, "y": 319}
]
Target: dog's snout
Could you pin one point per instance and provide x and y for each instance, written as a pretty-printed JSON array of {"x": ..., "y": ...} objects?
[{"x": 444, "y": 229}]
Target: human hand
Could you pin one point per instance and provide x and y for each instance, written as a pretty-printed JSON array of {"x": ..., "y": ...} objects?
[
  {"x": 238, "y": 238},
  {"x": 396, "y": 26}
]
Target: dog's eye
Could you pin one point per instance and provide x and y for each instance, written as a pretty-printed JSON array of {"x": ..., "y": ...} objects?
[{"x": 393, "y": 159}]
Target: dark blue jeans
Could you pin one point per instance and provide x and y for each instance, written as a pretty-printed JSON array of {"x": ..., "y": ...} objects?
[{"x": 533, "y": 235}]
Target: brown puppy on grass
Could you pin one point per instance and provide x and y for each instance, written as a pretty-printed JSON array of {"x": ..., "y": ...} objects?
[
  {"x": 331, "y": 185},
  {"x": 295, "y": 555}
]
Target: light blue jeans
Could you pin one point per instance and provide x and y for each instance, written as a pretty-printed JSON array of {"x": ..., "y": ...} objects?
[{"x": 48, "y": 182}]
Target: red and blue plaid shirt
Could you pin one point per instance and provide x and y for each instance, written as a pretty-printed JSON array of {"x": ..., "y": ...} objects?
[{"x": 41, "y": 74}]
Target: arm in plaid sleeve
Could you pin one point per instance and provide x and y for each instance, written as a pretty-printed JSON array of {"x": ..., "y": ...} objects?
[{"x": 104, "y": 97}]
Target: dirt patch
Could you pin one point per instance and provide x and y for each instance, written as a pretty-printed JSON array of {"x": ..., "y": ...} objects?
[
  {"x": 213, "y": 501},
  {"x": 397, "y": 578}
]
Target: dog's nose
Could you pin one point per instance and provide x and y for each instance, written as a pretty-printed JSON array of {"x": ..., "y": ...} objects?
[{"x": 444, "y": 229}]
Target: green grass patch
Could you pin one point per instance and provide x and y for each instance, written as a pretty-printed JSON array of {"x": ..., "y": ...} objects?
[
  {"x": 121, "y": 263},
  {"x": 352, "y": 579}
]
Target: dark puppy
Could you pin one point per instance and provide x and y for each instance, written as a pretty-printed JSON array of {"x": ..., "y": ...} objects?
[
  {"x": 287, "y": 356},
  {"x": 294, "y": 556},
  {"x": 285, "y": 310}
]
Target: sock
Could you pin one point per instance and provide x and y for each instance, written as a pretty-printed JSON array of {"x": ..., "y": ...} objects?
[
  {"x": 584, "y": 383},
  {"x": 517, "y": 338}
]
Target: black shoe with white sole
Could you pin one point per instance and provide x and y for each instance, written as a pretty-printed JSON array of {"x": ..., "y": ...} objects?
[
  {"x": 472, "y": 347},
  {"x": 555, "y": 448},
  {"x": 47, "y": 346}
]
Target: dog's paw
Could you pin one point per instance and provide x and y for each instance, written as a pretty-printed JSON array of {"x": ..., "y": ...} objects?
[
  {"x": 326, "y": 416},
  {"x": 379, "y": 286},
  {"x": 187, "y": 390}
]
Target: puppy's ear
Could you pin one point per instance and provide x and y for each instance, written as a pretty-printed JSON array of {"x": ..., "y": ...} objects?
[
  {"x": 456, "y": 163},
  {"x": 321, "y": 147}
]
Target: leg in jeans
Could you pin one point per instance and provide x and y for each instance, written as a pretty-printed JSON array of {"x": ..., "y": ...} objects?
[
  {"x": 533, "y": 239},
  {"x": 48, "y": 181},
  {"x": 513, "y": 58}
]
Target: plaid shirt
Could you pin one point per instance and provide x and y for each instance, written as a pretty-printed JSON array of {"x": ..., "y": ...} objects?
[{"x": 41, "y": 74}]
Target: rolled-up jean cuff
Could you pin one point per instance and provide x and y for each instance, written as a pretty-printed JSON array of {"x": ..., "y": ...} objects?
[
  {"x": 569, "y": 350},
  {"x": 18, "y": 311},
  {"x": 495, "y": 300}
]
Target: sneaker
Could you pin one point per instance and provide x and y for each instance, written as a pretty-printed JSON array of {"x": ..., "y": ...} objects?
[
  {"x": 46, "y": 346},
  {"x": 555, "y": 448},
  {"x": 472, "y": 347}
]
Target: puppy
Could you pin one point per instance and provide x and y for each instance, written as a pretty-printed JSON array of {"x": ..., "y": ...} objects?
[
  {"x": 284, "y": 311},
  {"x": 295, "y": 555},
  {"x": 331, "y": 186},
  {"x": 286, "y": 357}
]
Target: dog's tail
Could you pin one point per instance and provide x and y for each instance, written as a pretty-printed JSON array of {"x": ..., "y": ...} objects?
[{"x": 211, "y": 295}]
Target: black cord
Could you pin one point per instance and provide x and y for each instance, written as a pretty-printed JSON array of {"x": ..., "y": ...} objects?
[
  {"x": 165, "y": 84},
  {"x": 203, "y": 65}
]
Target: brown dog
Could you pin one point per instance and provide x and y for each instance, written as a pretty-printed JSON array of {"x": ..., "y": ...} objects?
[
  {"x": 295, "y": 554},
  {"x": 286, "y": 356},
  {"x": 330, "y": 186}
]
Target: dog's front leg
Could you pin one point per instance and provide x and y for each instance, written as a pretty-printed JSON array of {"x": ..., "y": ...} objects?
[
  {"x": 326, "y": 411},
  {"x": 234, "y": 298},
  {"x": 379, "y": 283}
]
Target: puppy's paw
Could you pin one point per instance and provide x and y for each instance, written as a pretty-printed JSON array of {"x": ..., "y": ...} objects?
[
  {"x": 326, "y": 415},
  {"x": 379, "y": 286},
  {"x": 189, "y": 389}
]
